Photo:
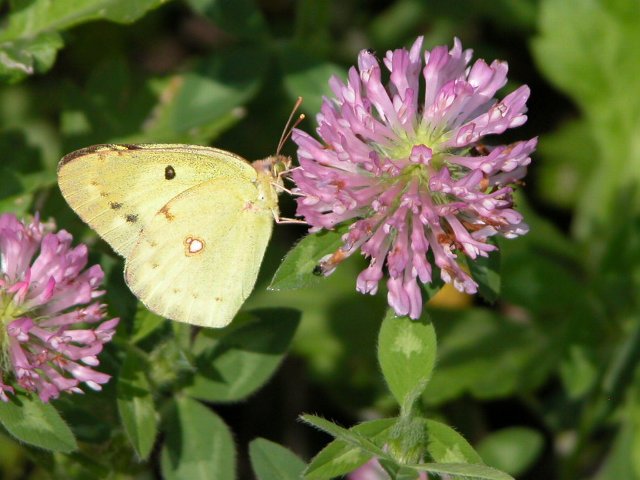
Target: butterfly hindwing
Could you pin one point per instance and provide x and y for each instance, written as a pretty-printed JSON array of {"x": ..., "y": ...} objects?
[
  {"x": 197, "y": 259},
  {"x": 117, "y": 189}
]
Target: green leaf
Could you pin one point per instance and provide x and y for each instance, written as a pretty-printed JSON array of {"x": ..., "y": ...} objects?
[
  {"x": 486, "y": 271},
  {"x": 308, "y": 77},
  {"x": 238, "y": 17},
  {"x": 120, "y": 11},
  {"x": 603, "y": 31},
  {"x": 179, "y": 117},
  {"x": 605, "y": 90},
  {"x": 239, "y": 362},
  {"x": 26, "y": 56},
  {"x": 36, "y": 423},
  {"x": 407, "y": 353},
  {"x": 29, "y": 42},
  {"x": 353, "y": 437},
  {"x": 297, "y": 268},
  {"x": 445, "y": 445},
  {"x": 220, "y": 84},
  {"x": 271, "y": 461},
  {"x": 463, "y": 470},
  {"x": 135, "y": 404},
  {"x": 37, "y": 16},
  {"x": 512, "y": 449},
  {"x": 198, "y": 444},
  {"x": 340, "y": 458}
]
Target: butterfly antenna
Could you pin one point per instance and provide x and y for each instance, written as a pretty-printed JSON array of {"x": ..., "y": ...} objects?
[{"x": 286, "y": 133}]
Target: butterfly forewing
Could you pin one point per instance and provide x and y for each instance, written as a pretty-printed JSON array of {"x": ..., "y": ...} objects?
[{"x": 117, "y": 189}]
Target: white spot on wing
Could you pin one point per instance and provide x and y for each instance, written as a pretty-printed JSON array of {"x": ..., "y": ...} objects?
[{"x": 193, "y": 245}]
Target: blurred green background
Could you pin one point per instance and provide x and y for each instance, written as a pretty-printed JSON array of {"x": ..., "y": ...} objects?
[{"x": 544, "y": 381}]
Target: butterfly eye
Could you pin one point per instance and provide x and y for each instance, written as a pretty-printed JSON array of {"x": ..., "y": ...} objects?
[{"x": 169, "y": 172}]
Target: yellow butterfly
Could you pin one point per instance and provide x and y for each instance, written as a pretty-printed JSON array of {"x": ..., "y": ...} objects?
[{"x": 192, "y": 222}]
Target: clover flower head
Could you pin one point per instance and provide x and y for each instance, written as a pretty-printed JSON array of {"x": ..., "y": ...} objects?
[
  {"x": 402, "y": 162},
  {"x": 51, "y": 327}
]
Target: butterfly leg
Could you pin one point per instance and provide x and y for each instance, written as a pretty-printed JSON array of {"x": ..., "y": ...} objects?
[
  {"x": 283, "y": 220},
  {"x": 283, "y": 188}
]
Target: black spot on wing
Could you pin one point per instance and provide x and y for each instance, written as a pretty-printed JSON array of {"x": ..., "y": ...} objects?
[
  {"x": 115, "y": 205},
  {"x": 131, "y": 218},
  {"x": 169, "y": 172}
]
